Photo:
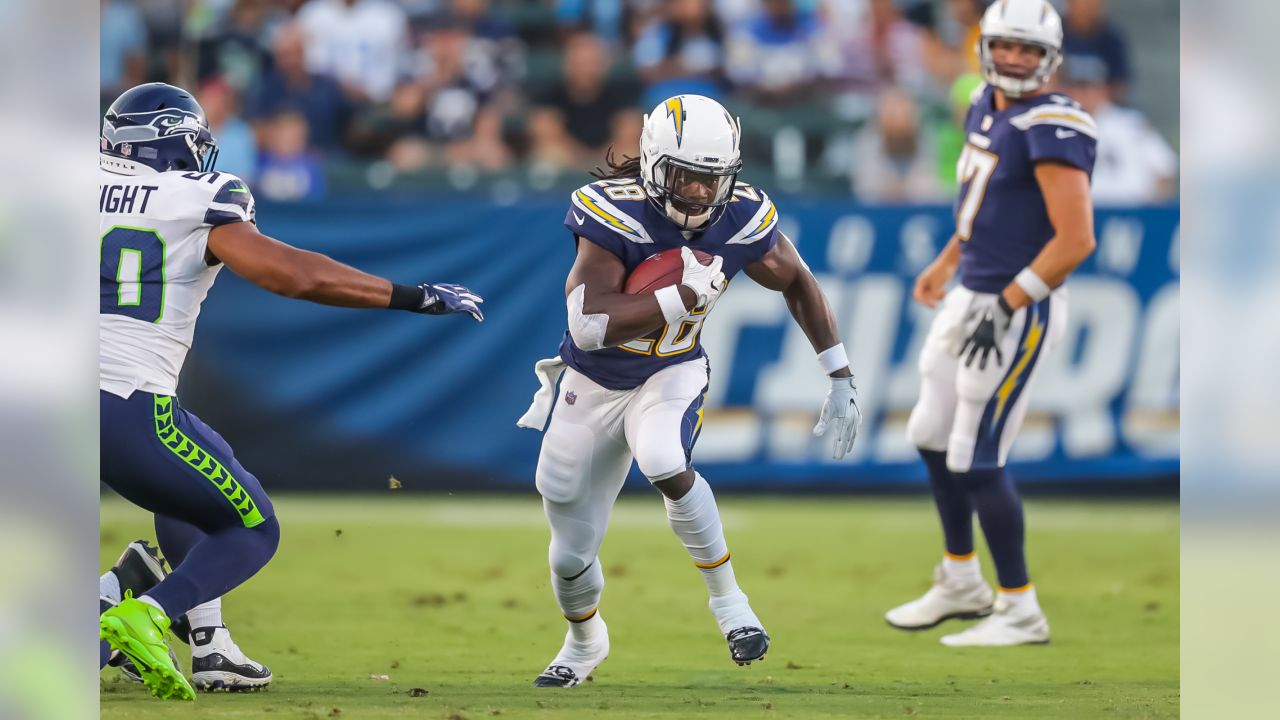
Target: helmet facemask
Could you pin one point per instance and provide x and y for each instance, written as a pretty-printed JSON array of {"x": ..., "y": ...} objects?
[
  {"x": 690, "y": 193},
  {"x": 1012, "y": 85}
]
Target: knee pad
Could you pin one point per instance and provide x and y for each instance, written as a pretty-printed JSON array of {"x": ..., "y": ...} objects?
[
  {"x": 928, "y": 426},
  {"x": 660, "y": 458},
  {"x": 562, "y": 466},
  {"x": 565, "y": 562}
]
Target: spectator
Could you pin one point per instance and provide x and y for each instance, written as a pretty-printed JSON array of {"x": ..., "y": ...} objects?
[
  {"x": 360, "y": 43},
  {"x": 879, "y": 48},
  {"x": 951, "y": 138},
  {"x": 448, "y": 103},
  {"x": 580, "y": 118},
  {"x": 895, "y": 156},
  {"x": 289, "y": 85},
  {"x": 773, "y": 57},
  {"x": 682, "y": 51},
  {"x": 286, "y": 169},
  {"x": 951, "y": 36},
  {"x": 122, "y": 50},
  {"x": 605, "y": 17},
  {"x": 235, "y": 53},
  {"x": 1089, "y": 37},
  {"x": 237, "y": 149},
  {"x": 1135, "y": 165}
]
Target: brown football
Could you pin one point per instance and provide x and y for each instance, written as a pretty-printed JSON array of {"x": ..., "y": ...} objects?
[{"x": 658, "y": 271}]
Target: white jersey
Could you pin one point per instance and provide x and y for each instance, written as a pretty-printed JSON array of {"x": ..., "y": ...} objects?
[{"x": 154, "y": 228}]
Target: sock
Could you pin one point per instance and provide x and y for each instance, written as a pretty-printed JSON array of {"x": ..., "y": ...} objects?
[
  {"x": 109, "y": 587},
  {"x": 207, "y": 614},
  {"x": 965, "y": 566},
  {"x": 219, "y": 562},
  {"x": 1000, "y": 514},
  {"x": 955, "y": 509},
  {"x": 579, "y": 598},
  {"x": 696, "y": 521},
  {"x": 1021, "y": 598}
]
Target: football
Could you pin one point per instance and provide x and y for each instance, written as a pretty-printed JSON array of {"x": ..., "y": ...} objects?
[{"x": 657, "y": 271}]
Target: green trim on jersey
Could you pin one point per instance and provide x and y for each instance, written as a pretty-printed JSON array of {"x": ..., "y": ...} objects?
[
  {"x": 204, "y": 463},
  {"x": 164, "y": 265}
]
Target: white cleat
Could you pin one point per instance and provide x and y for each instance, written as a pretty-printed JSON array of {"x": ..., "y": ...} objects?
[
  {"x": 1010, "y": 624},
  {"x": 576, "y": 660},
  {"x": 950, "y": 597},
  {"x": 217, "y": 663}
]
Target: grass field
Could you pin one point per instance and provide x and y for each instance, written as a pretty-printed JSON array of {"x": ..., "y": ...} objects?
[{"x": 451, "y": 595}]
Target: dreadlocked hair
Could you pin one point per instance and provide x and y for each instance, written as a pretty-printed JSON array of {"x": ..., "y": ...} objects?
[{"x": 627, "y": 167}]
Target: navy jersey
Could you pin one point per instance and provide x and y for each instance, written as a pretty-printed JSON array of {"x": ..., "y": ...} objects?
[
  {"x": 1001, "y": 217},
  {"x": 618, "y": 216}
]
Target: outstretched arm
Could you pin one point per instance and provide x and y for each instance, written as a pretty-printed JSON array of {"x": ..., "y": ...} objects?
[
  {"x": 601, "y": 315},
  {"x": 781, "y": 269},
  {"x": 285, "y": 270}
]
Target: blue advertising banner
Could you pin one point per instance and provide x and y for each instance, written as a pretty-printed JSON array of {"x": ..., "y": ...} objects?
[{"x": 316, "y": 397}]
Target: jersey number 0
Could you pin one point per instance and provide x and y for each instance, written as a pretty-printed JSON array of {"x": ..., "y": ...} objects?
[{"x": 132, "y": 273}]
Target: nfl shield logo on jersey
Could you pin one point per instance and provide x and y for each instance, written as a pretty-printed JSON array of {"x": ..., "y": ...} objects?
[{"x": 571, "y": 397}]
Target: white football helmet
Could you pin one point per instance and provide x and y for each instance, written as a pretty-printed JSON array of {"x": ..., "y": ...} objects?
[
  {"x": 1033, "y": 22},
  {"x": 690, "y": 158}
]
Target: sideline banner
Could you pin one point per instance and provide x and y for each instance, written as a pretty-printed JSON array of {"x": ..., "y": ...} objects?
[{"x": 344, "y": 392}]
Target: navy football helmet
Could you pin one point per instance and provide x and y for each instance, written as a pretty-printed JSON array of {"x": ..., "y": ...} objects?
[{"x": 160, "y": 126}]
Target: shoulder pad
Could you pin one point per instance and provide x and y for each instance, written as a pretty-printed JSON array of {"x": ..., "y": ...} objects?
[
  {"x": 1065, "y": 113},
  {"x": 231, "y": 201},
  {"x": 976, "y": 95},
  {"x": 602, "y": 206},
  {"x": 754, "y": 212}
]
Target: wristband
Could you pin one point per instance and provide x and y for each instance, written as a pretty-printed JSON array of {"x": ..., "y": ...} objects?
[
  {"x": 1035, "y": 286},
  {"x": 672, "y": 304},
  {"x": 406, "y": 297},
  {"x": 833, "y": 358}
]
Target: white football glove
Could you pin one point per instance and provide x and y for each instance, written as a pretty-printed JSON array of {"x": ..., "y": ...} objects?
[
  {"x": 840, "y": 412},
  {"x": 706, "y": 281}
]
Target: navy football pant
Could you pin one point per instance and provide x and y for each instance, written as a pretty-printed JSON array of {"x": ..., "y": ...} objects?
[{"x": 166, "y": 460}]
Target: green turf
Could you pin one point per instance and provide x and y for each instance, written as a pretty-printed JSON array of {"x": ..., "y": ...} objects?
[{"x": 451, "y": 595}]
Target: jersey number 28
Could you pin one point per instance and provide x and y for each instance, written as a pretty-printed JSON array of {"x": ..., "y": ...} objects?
[{"x": 132, "y": 273}]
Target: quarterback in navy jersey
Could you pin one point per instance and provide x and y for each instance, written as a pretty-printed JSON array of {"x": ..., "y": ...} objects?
[
  {"x": 631, "y": 375},
  {"x": 1024, "y": 222}
]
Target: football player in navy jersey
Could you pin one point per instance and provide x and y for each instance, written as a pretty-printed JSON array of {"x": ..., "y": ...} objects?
[
  {"x": 1024, "y": 221},
  {"x": 631, "y": 375}
]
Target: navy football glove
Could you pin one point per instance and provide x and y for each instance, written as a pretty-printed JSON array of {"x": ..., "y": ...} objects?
[
  {"x": 445, "y": 298},
  {"x": 987, "y": 326}
]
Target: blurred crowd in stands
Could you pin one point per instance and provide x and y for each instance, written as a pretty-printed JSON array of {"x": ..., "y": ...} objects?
[{"x": 861, "y": 96}]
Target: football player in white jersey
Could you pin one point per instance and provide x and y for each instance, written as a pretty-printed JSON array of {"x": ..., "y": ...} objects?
[
  {"x": 633, "y": 375},
  {"x": 169, "y": 223}
]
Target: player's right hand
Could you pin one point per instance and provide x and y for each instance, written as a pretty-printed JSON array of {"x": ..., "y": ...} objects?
[
  {"x": 706, "y": 281},
  {"x": 445, "y": 298},
  {"x": 931, "y": 284}
]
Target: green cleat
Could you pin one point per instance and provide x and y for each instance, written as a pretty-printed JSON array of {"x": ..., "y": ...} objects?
[{"x": 137, "y": 629}]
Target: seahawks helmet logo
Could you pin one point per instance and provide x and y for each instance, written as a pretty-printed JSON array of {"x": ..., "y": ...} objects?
[{"x": 148, "y": 126}]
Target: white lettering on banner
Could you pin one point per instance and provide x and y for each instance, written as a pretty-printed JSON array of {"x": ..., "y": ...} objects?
[
  {"x": 849, "y": 247},
  {"x": 1150, "y": 421},
  {"x": 1111, "y": 350},
  {"x": 916, "y": 241},
  {"x": 1120, "y": 245}
]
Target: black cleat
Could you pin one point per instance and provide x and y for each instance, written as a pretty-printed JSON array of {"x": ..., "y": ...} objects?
[
  {"x": 560, "y": 676},
  {"x": 217, "y": 663},
  {"x": 747, "y": 644},
  {"x": 141, "y": 568}
]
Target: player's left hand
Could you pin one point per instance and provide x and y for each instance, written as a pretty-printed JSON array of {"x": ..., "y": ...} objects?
[
  {"x": 445, "y": 298},
  {"x": 985, "y": 326},
  {"x": 840, "y": 413}
]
